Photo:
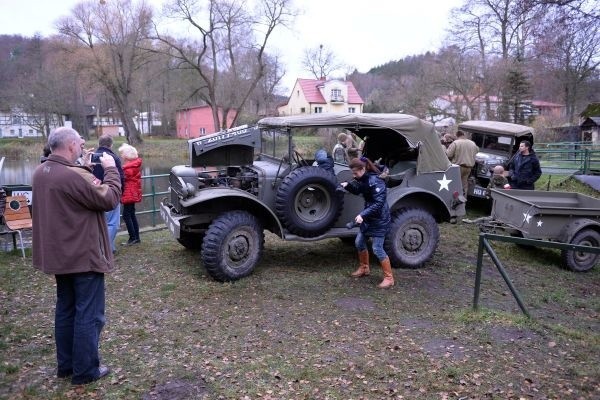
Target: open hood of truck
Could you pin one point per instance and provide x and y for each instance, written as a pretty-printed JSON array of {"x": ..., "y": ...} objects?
[{"x": 234, "y": 146}]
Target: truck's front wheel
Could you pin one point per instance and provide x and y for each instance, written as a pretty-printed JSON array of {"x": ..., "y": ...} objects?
[
  {"x": 232, "y": 246},
  {"x": 412, "y": 238}
]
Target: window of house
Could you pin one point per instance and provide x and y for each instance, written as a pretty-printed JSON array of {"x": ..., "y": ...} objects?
[
  {"x": 12, "y": 132},
  {"x": 351, "y": 110},
  {"x": 16, "y": 120},
  {"x": 318, "y": 110},
  {"x": 298, "y": 93},
  {"x": 302, "y": 110},
  {"x": 336, "y": 94},
  {"x": 31, "y": 132},
  {"x": 202, "y": 131}
]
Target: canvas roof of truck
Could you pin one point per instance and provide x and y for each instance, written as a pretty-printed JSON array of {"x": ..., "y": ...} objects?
[
  {"x": 417, "y": 132},
  {"x": 503, "y": 128}
]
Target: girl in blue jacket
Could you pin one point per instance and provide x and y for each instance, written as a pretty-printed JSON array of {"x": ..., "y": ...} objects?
[{"x": 374, "y": 220}]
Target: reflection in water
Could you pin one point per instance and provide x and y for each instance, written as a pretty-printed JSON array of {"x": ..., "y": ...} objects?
[{"x": 20, "y": 173}]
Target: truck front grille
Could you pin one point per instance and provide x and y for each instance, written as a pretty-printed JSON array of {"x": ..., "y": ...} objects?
[{"x": 176, "y": 185}]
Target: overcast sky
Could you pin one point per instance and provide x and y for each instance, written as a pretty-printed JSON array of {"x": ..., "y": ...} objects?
[{"x": 361, "y": 33}]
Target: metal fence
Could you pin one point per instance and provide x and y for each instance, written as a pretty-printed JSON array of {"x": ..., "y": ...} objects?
[
  {"x": 154, "y": 188},
  {"x": 569, "y": 158}
]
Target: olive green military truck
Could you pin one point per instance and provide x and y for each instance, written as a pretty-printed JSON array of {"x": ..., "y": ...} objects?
[{"x": 244, "y": 181}]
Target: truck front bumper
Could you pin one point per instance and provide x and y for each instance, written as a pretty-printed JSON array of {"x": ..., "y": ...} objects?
[{"x": 172, "y": 222}]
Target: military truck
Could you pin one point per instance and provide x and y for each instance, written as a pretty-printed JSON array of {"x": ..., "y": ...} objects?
[
  {"x": 243, "y": 181},
  {"x": 498, "y": 142}
]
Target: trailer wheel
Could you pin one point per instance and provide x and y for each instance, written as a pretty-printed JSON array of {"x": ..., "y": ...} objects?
[
  {"x": 578, "y": 261},
  {"x": 232, "y": 246},
  {"x": 412, "y": 239}
]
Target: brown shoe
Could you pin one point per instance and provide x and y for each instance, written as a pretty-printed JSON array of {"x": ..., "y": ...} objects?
[
  {"x": 388, "y": 277},
  {"x": 363, "y": 267}
]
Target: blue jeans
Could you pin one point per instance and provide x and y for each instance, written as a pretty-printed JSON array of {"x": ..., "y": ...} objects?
[
  {"x": 131, "y": 221},
  {"x": 113, "y": 221},
  {"x": 78, "y": 321},
  {"x": 377, "y": 244}
]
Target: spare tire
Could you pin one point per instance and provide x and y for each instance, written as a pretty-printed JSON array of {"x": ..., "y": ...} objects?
[{"x": 307, "y": 203}]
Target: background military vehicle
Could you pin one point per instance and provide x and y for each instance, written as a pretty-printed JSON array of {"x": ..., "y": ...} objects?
[
  {"x": 246, "y": 180},
  {"x": 498, "y": 142}
]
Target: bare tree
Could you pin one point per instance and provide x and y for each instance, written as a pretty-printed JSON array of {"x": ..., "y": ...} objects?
[
  {"x": 228, "y": 51},
  {"x": 572, "y": 52},
  {"x": 321, "y": 62},
  {"x": 112, "y": 34}
]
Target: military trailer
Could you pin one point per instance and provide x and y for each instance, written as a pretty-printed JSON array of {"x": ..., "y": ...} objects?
[
  {"x": 563, "y": 217},
  {"x": 498, "y": 142},
  {"x": 241, "y": 182}
]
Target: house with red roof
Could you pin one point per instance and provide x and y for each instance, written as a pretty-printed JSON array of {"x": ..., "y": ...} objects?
[{"x": 310, "y": 96}]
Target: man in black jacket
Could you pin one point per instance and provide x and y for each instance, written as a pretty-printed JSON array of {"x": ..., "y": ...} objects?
[
  {"x": 113, "y": 217},
  {"x": 525, "y": 168}
]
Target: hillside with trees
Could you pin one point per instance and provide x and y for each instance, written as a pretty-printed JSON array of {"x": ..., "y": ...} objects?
[{"x": 126, "y": 58}]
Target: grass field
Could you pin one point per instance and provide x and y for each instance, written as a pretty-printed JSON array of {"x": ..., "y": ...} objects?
[{"x": 301, "y": 328}]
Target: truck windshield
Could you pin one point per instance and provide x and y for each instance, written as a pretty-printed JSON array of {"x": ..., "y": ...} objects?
[
  {"x": 493, "y": 143},
  {"x": 274, "y": 143}
]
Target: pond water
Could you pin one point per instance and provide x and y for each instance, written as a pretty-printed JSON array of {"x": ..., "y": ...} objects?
[{"x": 20, "y": 172}]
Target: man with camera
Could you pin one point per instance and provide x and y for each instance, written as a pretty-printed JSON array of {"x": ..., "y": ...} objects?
[
  {"x": 113, "y": 217},
  {"x": 70, "y": 241}
]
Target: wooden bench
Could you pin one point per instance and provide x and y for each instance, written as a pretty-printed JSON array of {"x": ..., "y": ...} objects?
[{"x": 16, "y": 218}]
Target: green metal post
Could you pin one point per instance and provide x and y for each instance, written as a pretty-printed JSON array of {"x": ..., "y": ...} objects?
[
  {"x": 478, "y": 273},
  {"x": 505, "y": 276},
  {"x": 153, "y": 202}
]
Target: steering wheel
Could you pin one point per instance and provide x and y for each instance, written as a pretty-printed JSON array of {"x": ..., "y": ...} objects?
[{"x": 299, "y": 159}]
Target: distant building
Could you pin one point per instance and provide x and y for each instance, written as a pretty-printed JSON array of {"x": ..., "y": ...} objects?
[
  {"x": 590, "y": 130},
  {"x": 18, "y": 124},
  {"x": 193, "y": 122},
  {"x": 312, "y": 96},
  {"x": 472, "y": 107}
]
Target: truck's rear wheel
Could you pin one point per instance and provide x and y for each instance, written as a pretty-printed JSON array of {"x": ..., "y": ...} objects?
[
  {"x": 578, "y": 261},
  {"x": 412, "y": 239},
  {"x": 233, "y": 245}
]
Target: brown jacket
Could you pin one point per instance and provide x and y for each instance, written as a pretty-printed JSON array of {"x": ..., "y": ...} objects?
[
  {"x": 69, "y": 226},
  {"x": 462, "y": 152}
]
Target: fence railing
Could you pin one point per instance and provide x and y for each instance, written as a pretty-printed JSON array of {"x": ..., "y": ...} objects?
[
  {"x": 569, "y": 158},
  {"x": 151, "y": 196}
]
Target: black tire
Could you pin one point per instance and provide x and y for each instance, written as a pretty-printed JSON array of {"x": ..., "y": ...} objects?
[
  {"x": 307, "y": 203},
  {"x": 191, "y": 241},
  {"x": 412, "y": 239},
  {"x": 578, "y": 261},
  {"x": 233, "y": 246}
]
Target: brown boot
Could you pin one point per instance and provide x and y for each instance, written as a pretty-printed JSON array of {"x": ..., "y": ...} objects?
[
  {"x": 388, "y": 277},
  {"x": 363, "y": 267}
]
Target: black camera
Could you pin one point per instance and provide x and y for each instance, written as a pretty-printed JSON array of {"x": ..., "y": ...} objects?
[
  {"x": 96, "y": 158},
  {"x": 352, "y": 224}
]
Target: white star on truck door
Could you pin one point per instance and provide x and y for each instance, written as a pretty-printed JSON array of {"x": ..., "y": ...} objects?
[{"x": 444, "y": 183}]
